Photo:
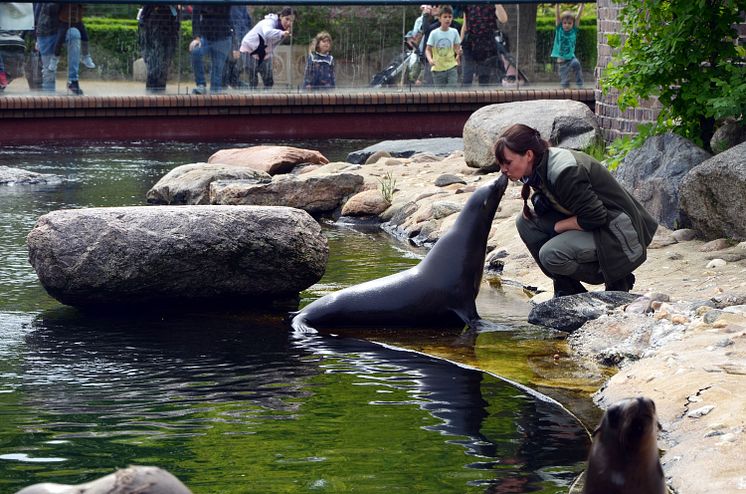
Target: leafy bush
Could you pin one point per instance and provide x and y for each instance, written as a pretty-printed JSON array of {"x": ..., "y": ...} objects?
[{"x": 683, "y": 53}]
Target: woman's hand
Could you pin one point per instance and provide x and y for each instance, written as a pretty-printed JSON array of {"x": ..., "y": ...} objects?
[
  {"x": 567, "y": 224},
  {"x": 196, "y": 43}
]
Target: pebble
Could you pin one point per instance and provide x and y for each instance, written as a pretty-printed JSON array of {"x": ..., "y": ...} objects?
[
  {"x": 712, "y": 315},
  {"x": 700, "y": 412},
  {"x": 679, "y": 319},
  {"x": 684, "y": 234},
  {"x": 716, "y": 263},
  {"x": 729, "y": 437}
]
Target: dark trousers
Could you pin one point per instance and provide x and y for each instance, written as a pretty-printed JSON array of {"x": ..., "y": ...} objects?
[
  {"x": 255, "y": 68},
  {"x": 158, "y": 38}
]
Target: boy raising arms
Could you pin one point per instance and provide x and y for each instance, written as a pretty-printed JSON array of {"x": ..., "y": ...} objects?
[
  {"x": 565, "y": 35},
  {"x": 444, "y": 50}
]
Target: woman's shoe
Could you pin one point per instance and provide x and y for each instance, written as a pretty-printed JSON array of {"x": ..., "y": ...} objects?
[{"x": 623, "y": 285}]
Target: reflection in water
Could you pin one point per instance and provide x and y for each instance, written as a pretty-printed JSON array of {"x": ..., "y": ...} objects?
[
  {"x": 228, "y": 401},
  {"x": 201, "y": 396}
]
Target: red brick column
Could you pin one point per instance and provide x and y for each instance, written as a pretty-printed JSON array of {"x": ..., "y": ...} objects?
[{"x": 615, "y": 123}]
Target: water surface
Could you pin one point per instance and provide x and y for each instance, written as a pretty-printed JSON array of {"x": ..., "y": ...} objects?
[{"x": 229, "y": 401}]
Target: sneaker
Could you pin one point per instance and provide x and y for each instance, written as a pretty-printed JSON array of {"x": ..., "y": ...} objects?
[
  {"x": 52, "y": 67},
  {"x": 74, "y": 88},
  {"x": 201, "y": 89},
  {"x": 3, "y": 80},
  {"x": 88, "y": 61}
]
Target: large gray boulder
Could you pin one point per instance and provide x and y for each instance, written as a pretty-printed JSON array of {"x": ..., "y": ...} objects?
[
  {"x": 654, "y": 171},
  {"x": 190, "y": 184},
  {"x": 144, "y": 255},
  {"x": 316, "y": 193},
  {"x": 405, "y": 148},
  {"x": 712, "y": 195},
  {"x": 572, "y": 311},
  {"x": 269, "y": 159},
  {"x": 18, "y": 176},
  {"x": 731, "y": 133},
  {"x": 564, "y": 123}
]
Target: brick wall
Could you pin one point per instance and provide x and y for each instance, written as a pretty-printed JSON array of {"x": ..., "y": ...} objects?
[{"x": 615, "y": 123}]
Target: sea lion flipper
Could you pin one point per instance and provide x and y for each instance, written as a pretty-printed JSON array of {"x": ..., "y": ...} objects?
[{"x": 301, "y": 327}]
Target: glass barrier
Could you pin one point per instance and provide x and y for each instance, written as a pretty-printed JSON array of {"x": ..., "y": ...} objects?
[{"x": 133, "y": 49}]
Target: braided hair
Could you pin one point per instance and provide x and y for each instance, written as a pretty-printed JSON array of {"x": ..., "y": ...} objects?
[{"x": 519, "y": 139}]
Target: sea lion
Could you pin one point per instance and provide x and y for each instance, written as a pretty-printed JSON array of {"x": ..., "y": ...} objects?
[
  {"x": 440, "y": 290},
  {"x": 624, "y": 455}
]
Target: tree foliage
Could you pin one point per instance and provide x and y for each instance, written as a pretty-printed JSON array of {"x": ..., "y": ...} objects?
[{"x": 683, "y": 52}]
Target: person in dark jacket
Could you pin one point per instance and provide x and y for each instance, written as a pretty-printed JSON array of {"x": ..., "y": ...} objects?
[
  {"x": 240, "y": 25},
  {"x": 211, "y": 29},
  {"x": 159, "y": 35},
  {"x": 584, "y": 226},
  {"x": 319, "y": 73}
]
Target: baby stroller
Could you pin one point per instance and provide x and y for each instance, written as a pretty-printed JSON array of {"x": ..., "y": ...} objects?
[
  {"x": 405, "y": 68},
  {"x": 12, "y": 51},
  {"x": 507, "y": 69}
]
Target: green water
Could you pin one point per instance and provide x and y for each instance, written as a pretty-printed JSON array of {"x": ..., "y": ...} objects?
[{"x": 230, "y": 402}]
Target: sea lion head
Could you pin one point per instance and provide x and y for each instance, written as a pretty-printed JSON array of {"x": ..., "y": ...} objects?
[{"x": 631, "y": 424}]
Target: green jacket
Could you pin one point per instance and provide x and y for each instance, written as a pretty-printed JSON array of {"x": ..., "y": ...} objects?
[{"x": 577, "y": 184}]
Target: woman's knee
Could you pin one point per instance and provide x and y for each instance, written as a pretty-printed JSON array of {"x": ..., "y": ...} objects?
[{"x": 556, "y": 262}]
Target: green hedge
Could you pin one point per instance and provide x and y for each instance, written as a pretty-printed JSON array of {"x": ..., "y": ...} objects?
[{"x": 114, "y": 43}]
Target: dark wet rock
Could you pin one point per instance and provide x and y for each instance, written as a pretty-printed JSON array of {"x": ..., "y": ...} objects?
[
  {"x": 315, "y": 192},
  {"x": 404, "y": 211},
  {"x": 495, "y": 264},
  {"x": 572, "y": 124},
  {"x": 654, "y": 171},
  {"x": 18, "y": 176},
  {"x": 570, "y": 312},
  {"x": 270, "y": 159},
  {"x": 405, "y": 148},
  {"x": 190, "y": 184},
  {"x": 449, "y": 179},
  {"x": 165, "y": 254},
  {"x": 712, "y": 195}
]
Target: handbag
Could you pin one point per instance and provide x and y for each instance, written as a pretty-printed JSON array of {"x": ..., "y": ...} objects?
[{"x": 32, "y": 69}]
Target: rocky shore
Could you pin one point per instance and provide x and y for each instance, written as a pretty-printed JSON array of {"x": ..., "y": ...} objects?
[{"x": 683, "y": 345}]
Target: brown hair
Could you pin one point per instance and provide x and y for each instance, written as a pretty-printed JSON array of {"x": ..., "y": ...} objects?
[
  {"x": 287, "y": 11},
  {"x": 316, "y": 39},
  {"x": 446, "y": 9},
  {"x": 520, "y": 138}
]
